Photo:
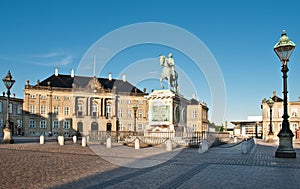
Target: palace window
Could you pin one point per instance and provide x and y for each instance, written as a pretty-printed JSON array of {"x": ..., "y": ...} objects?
[
  {"x": 94, "y": 109},
  {"x": 66, "y": 98},
  {"x": 294, "y": 112},
  {"x": 32, "y": 96},
  {"x": 108, "y": 110},
  {"x": 194, "y": 126},
  {"x": 79, "y": 109},
  {"x": 129, "y": 127},
  {"x": 140, "y": 113},
  {"x": 43, "y": 124},
  {"x": 140, "y": 127},
  {"x": 32, "y": 109},
  {"x": 56, "y": 110},
  {"x": 121, "y": 127},
  {"x": 129, "y": 114},
  {"x": 43, "y": 97},
  {"x": 295, "y": 127},
  {"x": 120, "y": 113},
  {"x": 31, "y": 123},
  {"x": 194, "y": 113},
  {"x": 66, "y": 124},
  {"x": 55, "y": 124},
  {"x": 43, "y": 109},
  {"x": 66, "y": 110},
  {"x": 56, "y": 97},
  {"x": 19, "y": 109}
]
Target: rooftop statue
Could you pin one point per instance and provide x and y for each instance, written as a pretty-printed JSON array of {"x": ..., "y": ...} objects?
[{"x": 168, "y": 72}]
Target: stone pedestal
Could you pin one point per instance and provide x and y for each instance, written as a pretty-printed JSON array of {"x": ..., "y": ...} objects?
[
  {"x": 7, "y": 138},
  {"x": 83, "y": 141},
  {"x": 108, "y": 142},
  {"x": 42, "y": 139},
  {"x": 285, "y": 149},
  {"x": 137, "y": 144}
]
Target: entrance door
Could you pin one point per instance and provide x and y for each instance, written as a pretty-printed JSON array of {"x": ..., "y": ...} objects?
[
  {"x": 108, "y": 127},
  {"x": 79, "y": 127},
  {"x": 94, "y": 131}
]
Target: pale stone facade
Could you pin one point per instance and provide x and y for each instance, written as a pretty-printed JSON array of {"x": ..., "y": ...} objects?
[
  {"x": 197, "y": 116},
  {"x": 67, "y": 104},
  {"x": 16, "y": 114},
  {"x": 277, "y": 113}
]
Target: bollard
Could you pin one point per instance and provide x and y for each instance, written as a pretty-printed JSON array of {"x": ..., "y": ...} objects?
[
  {"x": 108, "y": 142},
  {"x": 169, "y": 145},
  {"x": 137, "y": 144},
  {"x": 83, "y": 142},
  {"x": 235, "y": 139},
  {"x": 244, "y": 147},
  {"x": 203, "y": 147},
  {"x": 74, "y": 139},
  {"x": 61, "y": 140},
  {"x": 42, "y": 139}
]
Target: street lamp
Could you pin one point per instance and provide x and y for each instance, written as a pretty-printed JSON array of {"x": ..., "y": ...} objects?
[
  {"x": 270, "y": 103},
  {"x": 8, "y": 82},
  {"x": 135, "y": 107},
  {"x": 284, "y": 48}
]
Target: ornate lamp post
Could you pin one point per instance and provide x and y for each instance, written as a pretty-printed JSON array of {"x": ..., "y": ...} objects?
[
  {"x": 284, "y": 48},
  {"x": 135, "y": 107},
  {"x": 8, "y": 82},
  {"x": 270, "y": 103}
]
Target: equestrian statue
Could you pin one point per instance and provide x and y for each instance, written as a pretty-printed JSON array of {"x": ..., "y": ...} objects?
[{"x": 168, "y": 72}]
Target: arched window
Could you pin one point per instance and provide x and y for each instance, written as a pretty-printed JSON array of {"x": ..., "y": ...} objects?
[
  {"x": 94, "y": 109},
  {"x": 80, "y": 109}
]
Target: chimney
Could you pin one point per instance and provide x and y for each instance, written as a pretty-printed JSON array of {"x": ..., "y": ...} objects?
[
  {"x": 109, "y": 76},
  {"x": 72, "y": 73},
  {"x": 274, "y": 93},
  {"x": 56, "y": 71},
  {"x": 194, "y": 96},
  {"x": 124, "y": 77}
]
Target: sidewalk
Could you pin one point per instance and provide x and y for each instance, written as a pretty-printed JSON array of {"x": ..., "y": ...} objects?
[{"x": 73, "y": 166}]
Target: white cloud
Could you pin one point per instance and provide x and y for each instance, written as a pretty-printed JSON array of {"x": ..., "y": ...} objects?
[{"x": 50, "y": 59}]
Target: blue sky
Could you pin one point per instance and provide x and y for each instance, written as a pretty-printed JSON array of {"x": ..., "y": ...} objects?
[{"x": 37, "y": 36}]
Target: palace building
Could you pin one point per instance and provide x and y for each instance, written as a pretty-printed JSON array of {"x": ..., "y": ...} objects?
[
  {"x": 68, "y": 104},
  {"x": 277, "y": 113},
  {"x": 16, "y": 114}
]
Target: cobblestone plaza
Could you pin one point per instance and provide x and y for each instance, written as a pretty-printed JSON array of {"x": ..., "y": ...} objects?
[{"x": 32, "y": 165}]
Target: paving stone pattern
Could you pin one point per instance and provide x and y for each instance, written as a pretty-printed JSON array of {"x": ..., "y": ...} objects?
[{"x": 32, "y": 165}]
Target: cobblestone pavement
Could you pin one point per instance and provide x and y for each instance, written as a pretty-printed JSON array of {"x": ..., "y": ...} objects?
[{"x": 34, "y": 165}]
